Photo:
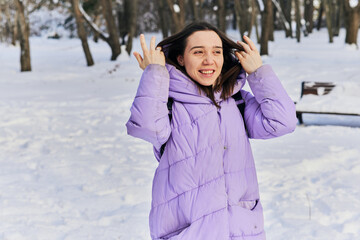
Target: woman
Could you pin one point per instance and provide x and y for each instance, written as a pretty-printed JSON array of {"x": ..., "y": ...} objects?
[{"x": 205, "y": 186}]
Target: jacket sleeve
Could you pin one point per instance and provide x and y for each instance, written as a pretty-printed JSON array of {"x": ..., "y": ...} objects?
[
  {"x": 149, "y": 119},
  {"x": 270, "y": 112}
]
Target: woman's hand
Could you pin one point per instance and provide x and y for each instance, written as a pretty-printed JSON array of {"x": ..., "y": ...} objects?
[
  {"x": 250, "y": 59},
  {"x": 152, "y": 56}
]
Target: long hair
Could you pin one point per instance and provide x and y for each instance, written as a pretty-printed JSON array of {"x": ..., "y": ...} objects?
[{"x": 175, "y": 45}]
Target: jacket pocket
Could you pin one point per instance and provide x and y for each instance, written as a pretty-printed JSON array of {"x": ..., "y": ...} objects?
[
  {"x": 249, "y": 204},
  {"x": 247, "y": 218},
  {"x": 175, "y": 233}
]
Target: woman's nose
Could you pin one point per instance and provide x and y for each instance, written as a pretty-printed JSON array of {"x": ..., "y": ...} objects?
[{"x": 208, "y": 59}]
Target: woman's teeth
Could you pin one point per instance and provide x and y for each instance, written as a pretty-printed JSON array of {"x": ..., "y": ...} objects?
[{"x": 207, "y": 72}]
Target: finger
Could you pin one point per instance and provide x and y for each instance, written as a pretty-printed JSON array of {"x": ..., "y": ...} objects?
[
  {"x": 143, "y": 43},
  {"x": 245, "y": 46},
  {"x": 250, "y": 43},
  {"x": 152, "y": 44},
  {"x": 239, "y": 56},
  {"x": 138, "y": 57},
  {"x": 243, "y": 54}
]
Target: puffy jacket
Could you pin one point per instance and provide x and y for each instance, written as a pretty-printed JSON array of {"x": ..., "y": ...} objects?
[{"x": 205, "y": 186}]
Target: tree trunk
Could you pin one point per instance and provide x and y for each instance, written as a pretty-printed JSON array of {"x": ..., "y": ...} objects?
[
  {"x": 194, "y": 10},
  {"x": 163, "y": 17},
  {"x": 177, "y": 17},
  {"x": 24, "y": 31},
  {"x": 298, "y": 20},
  {"x": 351, "y": 22},
  {"x": 97, "y": 21},
  {"x": 81, "y": 32},
  {"x": 338, "y": 9},
  {"x": 321, "y": 12},
  {"x": 271, "y": 24},
  {"x": 265, "y": 28},
  {"x": 221, "y": 15},
  {"x": 10, "y": 26},
  {"x": 243, "y": 16},
  {"x": 286, "y": 9},
  {"x": 329, "y": 14},
  {"x": 308, "y": 16},
  {"x": 113, "y": 39},
  {"x": 131, "y": 10}
]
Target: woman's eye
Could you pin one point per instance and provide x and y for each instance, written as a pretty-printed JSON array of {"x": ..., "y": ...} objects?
[
  {"x": 217, "y": 52},
  {"x": 198, "y": 52}
]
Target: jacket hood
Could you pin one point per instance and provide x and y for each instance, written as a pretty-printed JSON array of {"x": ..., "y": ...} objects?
[{"x": 183, "y": 89}]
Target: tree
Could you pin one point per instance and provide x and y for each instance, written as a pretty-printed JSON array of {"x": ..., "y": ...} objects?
[
  {"x": 177, "y": 14},
  {"x": 351, "y": 21},
  {"x": 243, "y": 16},
  {"x": 8, "y": 30},
  {"x": 130, "y": 10},
  {"x": 112, "y": 39},
  {"x": 286, "y": 9},
  {"x": 221, "y": 15},
  {"x": 81, "y": 32},
  {"x": 163, "y": 17},
  {"x": 298, "y": 19},
  {"x": 196, "y": 9},
  {"x": 24, "y": 31},
  {"x": 308, "y": 16},
  {"x": 266, "y": 20},
  {"x": 329, "y": 11}
]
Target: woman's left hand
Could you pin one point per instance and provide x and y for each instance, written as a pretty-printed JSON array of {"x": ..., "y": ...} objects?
[{"x": 250, "y": 59}]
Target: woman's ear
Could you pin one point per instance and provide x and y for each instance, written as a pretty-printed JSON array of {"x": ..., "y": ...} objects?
[{"x": 180, "y": 60}]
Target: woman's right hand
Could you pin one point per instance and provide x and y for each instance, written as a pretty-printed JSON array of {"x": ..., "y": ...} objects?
[{"x": 151, "y": 56}]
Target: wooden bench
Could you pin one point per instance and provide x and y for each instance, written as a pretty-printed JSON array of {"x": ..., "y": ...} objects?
[{"x": 319, "y": 89}]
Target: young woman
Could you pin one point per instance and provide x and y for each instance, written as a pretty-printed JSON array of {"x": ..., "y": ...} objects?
[{"x": 205, "y": 186}]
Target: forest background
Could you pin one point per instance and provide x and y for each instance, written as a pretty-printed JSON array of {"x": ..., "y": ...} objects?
[{"x": 118, "y": 22}]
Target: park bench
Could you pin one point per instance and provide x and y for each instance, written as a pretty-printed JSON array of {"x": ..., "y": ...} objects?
[{"x": 328, "y": 98}]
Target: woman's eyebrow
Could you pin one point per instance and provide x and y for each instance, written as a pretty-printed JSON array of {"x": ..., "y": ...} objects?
[{"x": 204, "y": 47}]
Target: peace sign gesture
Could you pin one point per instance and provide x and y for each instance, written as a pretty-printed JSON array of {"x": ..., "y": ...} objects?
[
  {"x": 250, "y": 59},
  {"x": 151, "y": 56}
]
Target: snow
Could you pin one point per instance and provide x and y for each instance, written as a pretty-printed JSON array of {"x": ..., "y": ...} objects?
[
  {"x": 176, "y": 8},
  {"x": 340, "y": 99},
  {"x": 70, "y": 171},
  {"x": 353, "y": 3}
]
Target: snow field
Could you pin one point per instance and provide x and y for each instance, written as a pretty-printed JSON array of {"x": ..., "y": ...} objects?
[{"x": 69, "y": 170}]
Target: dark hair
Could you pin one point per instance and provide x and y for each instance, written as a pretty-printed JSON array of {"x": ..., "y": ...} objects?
[{"x": 175, "y": 45}]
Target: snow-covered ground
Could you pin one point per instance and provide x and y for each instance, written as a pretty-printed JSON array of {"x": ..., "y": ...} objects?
[{"x": 68, "y": 170}]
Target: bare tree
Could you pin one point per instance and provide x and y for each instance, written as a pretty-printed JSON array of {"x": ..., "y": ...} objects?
[
  {"x": 112, "y": 39},
  {"x": 24, "y": 31},
  {"x": 244, "y": 16},
  {"x": 320, "y": 14},
  {"x": 9, "y": 28},
  {"x": 221, "y": 15},
  {"x": 81, "y": 32},
  {"x": 352, "y": 19},
  {"x": 177, "y": 13},
  {"x": 163, "y": 17},
  {"x": 196, "y": 9},
  {"x": 131, "y": 10},
  {"x": 338, "y": 13},
  {"x": 329, "y": 11},
  {"x": 286, "y": 9},
  {"x": 308, "y": 16},
  {"x": 298, "y": 19},
  {"x": 266, "y": 19}
]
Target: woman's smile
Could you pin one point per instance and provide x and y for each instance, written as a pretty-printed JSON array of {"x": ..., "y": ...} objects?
[{"x": 203, "y": 57}]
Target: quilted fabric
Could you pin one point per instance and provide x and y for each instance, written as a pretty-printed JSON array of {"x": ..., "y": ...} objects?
[{"x": 205, "y": 186}]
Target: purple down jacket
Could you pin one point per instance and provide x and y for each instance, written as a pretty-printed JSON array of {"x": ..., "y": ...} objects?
[{"x": 205, "y": 186}]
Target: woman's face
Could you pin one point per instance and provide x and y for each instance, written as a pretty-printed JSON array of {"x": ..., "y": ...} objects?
[{"x": 203, "y": 57}]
